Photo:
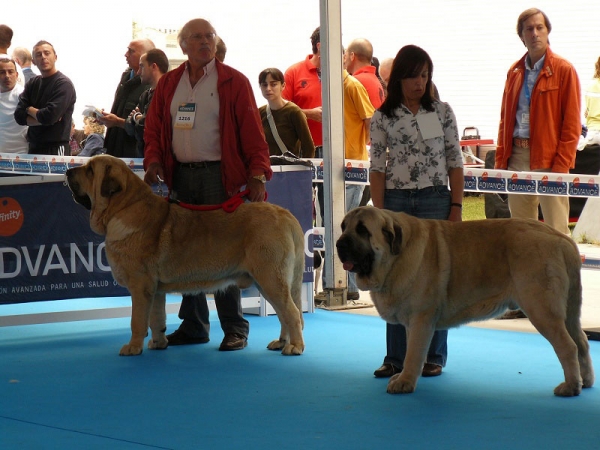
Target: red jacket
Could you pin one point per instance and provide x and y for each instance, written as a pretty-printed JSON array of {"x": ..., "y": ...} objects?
[
  {"x": 554, "y": 116},
  {"x": 244, "y": 151}
]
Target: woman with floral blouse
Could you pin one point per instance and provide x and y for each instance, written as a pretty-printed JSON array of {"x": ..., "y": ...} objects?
[{"x": 415, "y": 158}]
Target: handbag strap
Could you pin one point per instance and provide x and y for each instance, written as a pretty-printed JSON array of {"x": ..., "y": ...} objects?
[{"x": 280, "y": 143}]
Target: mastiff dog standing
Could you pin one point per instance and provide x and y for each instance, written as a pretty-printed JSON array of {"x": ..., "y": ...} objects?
[
  {"x": 437, "y": 274},
  {"x": 155, "y": 247}
]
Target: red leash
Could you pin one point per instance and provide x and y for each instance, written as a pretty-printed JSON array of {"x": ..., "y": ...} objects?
[{"x": 228, "y": 206}]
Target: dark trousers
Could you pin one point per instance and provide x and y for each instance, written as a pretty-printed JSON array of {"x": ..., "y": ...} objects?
[
  {"x": 203, "y": 186},
  {"x": 429, "y": 203},
  {"x": 61, "y": 149}
]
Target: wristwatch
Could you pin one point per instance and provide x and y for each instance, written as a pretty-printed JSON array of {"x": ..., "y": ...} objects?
[{"x": 260, "y": 178}]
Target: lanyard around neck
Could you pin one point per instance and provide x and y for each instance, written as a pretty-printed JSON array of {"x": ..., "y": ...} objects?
[{"x": 527, "y": 92}]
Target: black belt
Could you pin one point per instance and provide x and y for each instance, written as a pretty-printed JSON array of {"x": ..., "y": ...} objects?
[{"x": 199, "y": 165}]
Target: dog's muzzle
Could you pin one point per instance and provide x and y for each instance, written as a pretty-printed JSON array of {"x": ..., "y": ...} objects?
[
  {"x": 82, "y": 199},
  {"x": 353, "y": 257}
]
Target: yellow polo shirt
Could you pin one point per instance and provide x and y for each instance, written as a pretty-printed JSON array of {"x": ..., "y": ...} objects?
[{"x": 357, "y": 107}]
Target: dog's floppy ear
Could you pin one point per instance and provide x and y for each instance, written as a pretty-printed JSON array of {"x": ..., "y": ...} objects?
[
  {"x": 394, "y": 237},
  {"x": 110, "y": 185}
]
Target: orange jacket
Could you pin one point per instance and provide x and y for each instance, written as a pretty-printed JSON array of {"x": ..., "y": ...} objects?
[{"x": 554, "y": 116}]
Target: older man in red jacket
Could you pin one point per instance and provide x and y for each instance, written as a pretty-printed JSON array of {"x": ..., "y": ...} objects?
[{"x": 204, "y": 137}]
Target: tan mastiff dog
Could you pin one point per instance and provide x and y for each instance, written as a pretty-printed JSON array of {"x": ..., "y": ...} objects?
[
  {"x": 155, "y": 247},
  {"x": 437, "y": 274}
]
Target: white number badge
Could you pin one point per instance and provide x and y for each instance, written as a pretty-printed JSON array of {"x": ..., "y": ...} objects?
[{"x": 186, "y": 112}]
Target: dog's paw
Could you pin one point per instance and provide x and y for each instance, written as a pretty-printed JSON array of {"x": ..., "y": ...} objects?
[
  {"x": 398, "y": 385},
  {"x": 277, "y": 344},
  {"x": 567, "y": 390},
  {"x": 130, "y": 350},
  {"x": 291, "y": 349},
  {"x": 160, "y": 344}
]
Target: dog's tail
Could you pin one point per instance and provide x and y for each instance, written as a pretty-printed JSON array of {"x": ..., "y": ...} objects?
[{"x": 573, "y": 320}]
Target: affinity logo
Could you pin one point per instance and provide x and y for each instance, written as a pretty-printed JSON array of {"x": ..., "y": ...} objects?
[{"x": 11, "y": 216}]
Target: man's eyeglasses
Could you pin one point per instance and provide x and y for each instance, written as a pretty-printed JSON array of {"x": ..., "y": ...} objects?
[{"x": 199, "y": 36}]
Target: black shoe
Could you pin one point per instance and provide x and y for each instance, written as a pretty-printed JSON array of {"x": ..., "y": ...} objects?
[
  {"x": 179, "y": 337},
  {"x": 233, "y": 341},
  {"x": 353, "y": 296},
  {"x": 386, "y": 371}
]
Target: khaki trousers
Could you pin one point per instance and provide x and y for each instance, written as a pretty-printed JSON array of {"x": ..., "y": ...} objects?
[{"x": 554, "y": 208}]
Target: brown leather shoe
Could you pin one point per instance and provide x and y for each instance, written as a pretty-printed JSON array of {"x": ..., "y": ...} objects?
[
  {"x": 431, "y": 370},
  {"x": 386, "y": 371},
  {"x": 233, "y": 341},
  {"x": 179, "y": 337}
]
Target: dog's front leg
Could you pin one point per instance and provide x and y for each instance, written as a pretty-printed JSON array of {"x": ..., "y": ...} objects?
[
  {"x": 158, "y": 322},
  {"x": 140, "y": 312},
  {"x": 419, "y": 335}
]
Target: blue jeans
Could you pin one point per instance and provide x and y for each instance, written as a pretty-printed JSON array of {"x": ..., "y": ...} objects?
[
  {"x": 428, "y": 203},
  {"x": 203, "y": 186},
  {"x": 354, "y": 194}
]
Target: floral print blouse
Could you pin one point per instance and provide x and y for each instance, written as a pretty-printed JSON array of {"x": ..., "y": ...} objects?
[{"x": 413, "y": 162}]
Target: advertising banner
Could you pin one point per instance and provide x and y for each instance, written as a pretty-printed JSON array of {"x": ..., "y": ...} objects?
[
  {"x": 47, "y": 249},
  {"x": 49, "y": 252}
]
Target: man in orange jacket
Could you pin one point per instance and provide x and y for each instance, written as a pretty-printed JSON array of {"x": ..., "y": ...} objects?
[{"x": 540, "y": 120}]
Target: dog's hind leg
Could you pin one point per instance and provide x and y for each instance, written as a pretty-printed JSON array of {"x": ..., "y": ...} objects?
[
  {"x": 573, "y": 324},
  {"x": 583, "y": 353},
  {"x": 552, "y": 327},
  {"x": 158, "y": 323},
  {"x": 279, "y": 295},
  {"x": 551, "y": 302}
]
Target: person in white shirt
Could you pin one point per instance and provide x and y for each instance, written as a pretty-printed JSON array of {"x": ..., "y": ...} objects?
[
  {"x": 6, "y": 35},
  {"x": 12, "y": 135}
]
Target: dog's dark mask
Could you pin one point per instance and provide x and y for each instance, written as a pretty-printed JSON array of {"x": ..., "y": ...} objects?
[
  {"x": 84, "y": 200},
  {"x": 355, "y": 251}
]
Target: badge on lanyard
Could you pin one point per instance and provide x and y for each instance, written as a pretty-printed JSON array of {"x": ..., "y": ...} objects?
[
  {"x": 525, "y": 117},
  {"x": 429, "y": 125},
  {"x": 186, "y": 112}
]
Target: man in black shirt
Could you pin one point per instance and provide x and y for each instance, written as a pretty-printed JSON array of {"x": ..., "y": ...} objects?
[
  {"x": 153, "y": 65},
  {"x": 117, "y": 142},
  {"x": 46, "y": 105}
]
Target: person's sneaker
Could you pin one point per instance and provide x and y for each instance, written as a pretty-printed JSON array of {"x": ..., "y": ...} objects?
[
  {"x": 179, "y": 337},
  {"x": 233, "y": 341},
  {"x": 353, "y": 296}
]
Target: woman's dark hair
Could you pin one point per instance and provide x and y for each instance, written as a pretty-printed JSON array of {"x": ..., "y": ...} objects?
[
  {"x": 275, "y": 74},
  {"x": 408, "y": 63}
]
